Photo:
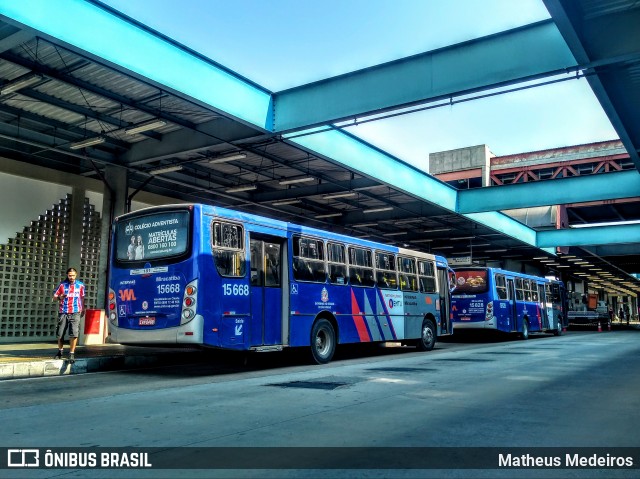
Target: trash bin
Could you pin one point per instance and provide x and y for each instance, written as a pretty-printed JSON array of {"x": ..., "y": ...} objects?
[{"x": 92, "y": 327}]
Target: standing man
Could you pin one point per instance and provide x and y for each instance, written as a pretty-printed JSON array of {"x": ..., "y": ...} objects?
[{"x": 70, "y": 294}]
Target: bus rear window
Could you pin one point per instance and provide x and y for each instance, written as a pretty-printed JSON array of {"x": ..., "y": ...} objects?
[
  {"x": 471, "y": 282},
  {"x": 152, "y": 237}
]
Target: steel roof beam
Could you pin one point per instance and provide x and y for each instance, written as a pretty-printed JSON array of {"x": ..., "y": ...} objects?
[
  {"x": 522, "y": 54},
  {"x": 579, "y": 189},
  {"x": 589, "y": 236}
]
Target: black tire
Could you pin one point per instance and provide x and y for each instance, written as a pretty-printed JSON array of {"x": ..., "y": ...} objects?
[
  {"x": 323, "y": 341},
  {"x": 525, "y": 330},
  {"x": 558, "y": 330},
  {"x": 427, "y": 336}
]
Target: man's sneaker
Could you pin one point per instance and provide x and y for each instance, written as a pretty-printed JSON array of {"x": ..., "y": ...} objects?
[
  {"x": 58, "y": 355},
  {"x": 72, "y": 358}
]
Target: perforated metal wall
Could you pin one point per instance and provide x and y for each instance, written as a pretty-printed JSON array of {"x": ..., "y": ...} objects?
[{"x": 34, "y": 262}]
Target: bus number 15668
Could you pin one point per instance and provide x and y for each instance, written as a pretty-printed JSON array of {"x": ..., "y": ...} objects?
[{"x": 235, "y": 290}]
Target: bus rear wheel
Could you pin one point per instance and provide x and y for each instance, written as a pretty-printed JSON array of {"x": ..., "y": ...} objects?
[
  {"x": 558, "y": 330},
  {"x": 525, "y": 329},
  {"x": 427, "y": 336},
  {"x": 323, "y": 341}
]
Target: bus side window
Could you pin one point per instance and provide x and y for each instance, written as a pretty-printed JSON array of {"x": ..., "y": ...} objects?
[
  {"x": 426, "y": 276},
  {"x": 386, "y": 276},
  {"x": 501, "y": 287},
  {"x": 228, "y": 249},
  {"x": 308, "y": 260},
  {"x": 407, "y": 274},
  {"x": 519, "y": 289},
  {"x": 337, "y": 263},
  {"x": 360, "y": 267}
]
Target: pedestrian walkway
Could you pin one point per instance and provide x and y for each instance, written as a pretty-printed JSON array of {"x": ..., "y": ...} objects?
[{"x": 28, "y": 360}]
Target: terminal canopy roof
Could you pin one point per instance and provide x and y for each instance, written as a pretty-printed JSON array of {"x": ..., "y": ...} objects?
[{"x": 84, "y": 88}]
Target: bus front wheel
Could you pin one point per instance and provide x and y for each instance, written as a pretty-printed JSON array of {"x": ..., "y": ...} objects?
[
  {"x": 323, "y": 341},
  {"x": 427, "y": 336}
]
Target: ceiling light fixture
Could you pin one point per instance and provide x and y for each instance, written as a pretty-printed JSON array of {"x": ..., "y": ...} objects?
[
  {"x": 285, "y": 202},
  {"x": 339, "y": 195},
  {"x": 165, "y": 169},
  {"x": 224, "y": 159},
  {"x": 378, "y": 210},
  {"x": 145, "y": 126},
  {"x": 292, "y": 181},
  {"x": 396, "y": 233},
  {"x": 365, "y": 225},
  {"x": 238, "y": 189},
  {"x": 88, "y": 142},
  {"x": 329, "y": 215},
  {"x": 21, "y": 82}
]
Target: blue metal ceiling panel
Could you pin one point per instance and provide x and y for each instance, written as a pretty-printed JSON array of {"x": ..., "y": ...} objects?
[
  {"x": 614, "y": 185},
  {"x": 524, "y": 53},
  {"x": 593, "y": 236},
  {"x": 111, "y": 38}
]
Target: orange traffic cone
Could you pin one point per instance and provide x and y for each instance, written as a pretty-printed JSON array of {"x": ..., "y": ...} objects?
[{"x": 599, "y": 327}]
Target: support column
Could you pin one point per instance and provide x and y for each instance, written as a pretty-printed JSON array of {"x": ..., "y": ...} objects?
[
  {"x": 74, "y": 257},
  {"x": 114, "y": 204}
]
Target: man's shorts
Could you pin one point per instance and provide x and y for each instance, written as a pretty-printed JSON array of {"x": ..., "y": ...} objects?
[{"x": 70, "y": 322}]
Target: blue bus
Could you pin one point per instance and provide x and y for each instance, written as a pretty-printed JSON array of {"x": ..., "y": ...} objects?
[
  {"x": 500, "y": 300},
  {"x": 209, "y": 276}
]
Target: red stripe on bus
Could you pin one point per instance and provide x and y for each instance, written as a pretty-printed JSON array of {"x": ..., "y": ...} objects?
[{"x": 363, "y": 334}]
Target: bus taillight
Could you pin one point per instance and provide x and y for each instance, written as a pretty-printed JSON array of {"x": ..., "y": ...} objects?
[
  {"x": 488, "y": 316},
  {"x": 189, "y": 302},
  {"x": 113, "y": 317}
]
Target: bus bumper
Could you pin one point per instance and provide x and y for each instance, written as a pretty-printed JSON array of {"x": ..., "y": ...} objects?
[
  {"x": 189, "y": 333},
  {"x": 491, "y": 324}
]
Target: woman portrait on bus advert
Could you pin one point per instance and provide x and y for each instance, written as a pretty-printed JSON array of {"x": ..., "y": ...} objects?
[
  {"x": 139, "y": 249},
  {"x": 131, "y": 250}
]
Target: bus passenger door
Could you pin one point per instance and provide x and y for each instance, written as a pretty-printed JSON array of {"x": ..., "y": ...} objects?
[
  {"x": 445, "y": 301},
  {"x": 542, "y": 304},
  {"x": 267, "y": 267},
  {"x": 513, "y": 309}
]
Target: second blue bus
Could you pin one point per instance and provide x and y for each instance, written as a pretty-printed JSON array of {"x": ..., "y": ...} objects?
[{"x": 500, "y": 300}]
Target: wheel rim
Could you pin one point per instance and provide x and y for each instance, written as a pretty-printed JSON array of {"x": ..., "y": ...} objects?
[
  {"x": 427, "y": 334},
  {"x": 322, "y": 342}
]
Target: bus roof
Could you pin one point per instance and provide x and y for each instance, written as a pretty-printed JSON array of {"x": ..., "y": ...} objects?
[{"x": 250, "y": 218}]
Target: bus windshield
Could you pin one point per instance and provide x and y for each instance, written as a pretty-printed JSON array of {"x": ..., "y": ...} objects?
[
  {"x": 471, "y": 281},
  {"x": 152, "y": 237}
]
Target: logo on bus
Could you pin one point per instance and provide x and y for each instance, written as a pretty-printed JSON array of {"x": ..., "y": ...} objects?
[
  {"x": 393, "y": 304},
  {"x": 324, "y": 295},
  {"x": 129, "y": 229},
  {"x": 127, "y": 295}
]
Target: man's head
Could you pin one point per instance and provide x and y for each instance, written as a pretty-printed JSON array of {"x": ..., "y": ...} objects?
[{"x": 71, "y": 274}]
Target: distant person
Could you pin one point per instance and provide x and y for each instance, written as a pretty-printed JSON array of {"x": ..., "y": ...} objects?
[
  {"x": 139, "y": 249},
  {"x": 627, "y": 313},
  {"x": 131, "y": 250},
  {"x": 70, "y": 294},
  {"x": 621, "y": 314}
]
